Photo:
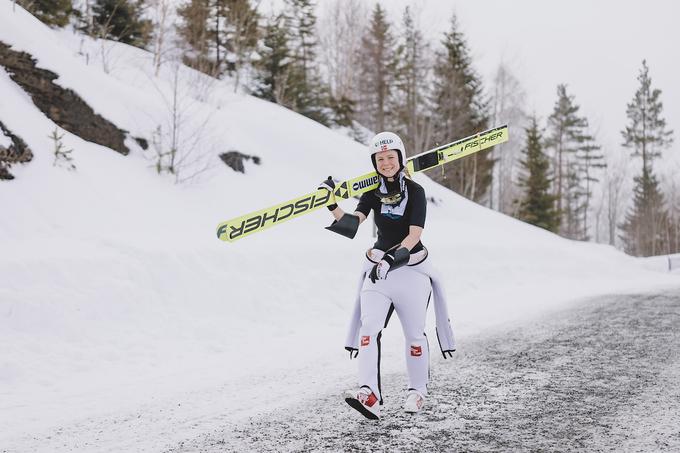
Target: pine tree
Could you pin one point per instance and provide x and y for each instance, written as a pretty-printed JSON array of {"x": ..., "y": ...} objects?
[
  {"x": 412, "y": 118},
  {"x": 646, "y": 134},
  {"x": 644, "y": 229},
  {"x": 590, "y": 159},
  {"x": 219, "y": 35},
  {"x": 537, "y": 205},
  {"x": 272, "y": 81},
  {"x": 460, "y": 109},
  {"x": 307, "y": 93},
  {"x": 232, "y": 32},
  {"x": 122, "y": 20},
  {"x": 50, "y": 12},
  {"x": 342, "y": 111},
  {"x": 194, "y": 31},
  {"x": 241, "y": 35},
  {"x": 376, "y": 69},
  {"x": 673, "y": 230},
  {"x": 573, "y": 205},
  {"x": 566, "y": 135},
  {"x": 301, "y": 23}
]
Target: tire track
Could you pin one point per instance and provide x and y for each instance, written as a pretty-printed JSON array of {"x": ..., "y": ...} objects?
[{"x": 598, "y": 377}]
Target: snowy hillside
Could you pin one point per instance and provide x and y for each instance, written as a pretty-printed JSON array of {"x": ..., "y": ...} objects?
[{"x": 118, "y": 303}]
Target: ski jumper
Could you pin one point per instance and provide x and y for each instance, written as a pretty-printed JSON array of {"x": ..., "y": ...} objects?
[{"x": 406, "y": 290}]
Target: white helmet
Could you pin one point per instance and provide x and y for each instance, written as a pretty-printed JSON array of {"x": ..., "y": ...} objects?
[{"x": 386, "y": 141}]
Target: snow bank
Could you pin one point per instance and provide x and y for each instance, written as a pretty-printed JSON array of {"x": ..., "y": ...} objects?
[{"x": 115, "y": 294}]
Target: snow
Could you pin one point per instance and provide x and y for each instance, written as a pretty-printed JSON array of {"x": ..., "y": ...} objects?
[
  {"x": 125, "y": 321},
  {"x": 5, "y": 141}
]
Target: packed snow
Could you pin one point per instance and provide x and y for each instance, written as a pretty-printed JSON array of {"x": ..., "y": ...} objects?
[
  {"x": 118, "y": 305},
  {"x": 5, "y": 141}
]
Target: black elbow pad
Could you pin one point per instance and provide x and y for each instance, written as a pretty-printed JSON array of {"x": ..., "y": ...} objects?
[{"x": 346, "y": 226}]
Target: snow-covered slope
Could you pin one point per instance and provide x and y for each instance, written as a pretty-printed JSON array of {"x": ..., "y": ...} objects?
[{"x": 117, "y": 300}]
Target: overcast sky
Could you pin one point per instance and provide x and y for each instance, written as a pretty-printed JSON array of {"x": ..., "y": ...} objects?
[{"x": 595, "y": 47}]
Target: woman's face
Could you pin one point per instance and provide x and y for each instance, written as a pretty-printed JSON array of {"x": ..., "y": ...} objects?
[{"x": 387, "y": 163}]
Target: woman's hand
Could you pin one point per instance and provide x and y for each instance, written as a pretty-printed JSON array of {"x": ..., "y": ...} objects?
[{"x": 329, "y": 185}]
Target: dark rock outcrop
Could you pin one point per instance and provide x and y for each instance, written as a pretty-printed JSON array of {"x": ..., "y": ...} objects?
[
  {"x": 61, "y": 105},
  {"x": 18, "y": 152},
  {"x": 235, "y": 159},
  {"x": 142, "y": 142}
]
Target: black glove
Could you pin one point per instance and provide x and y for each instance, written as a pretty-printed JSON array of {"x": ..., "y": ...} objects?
[
  {"x": 449, "y": 352},
  {"x": 329, "y": 185},
  {"x": 353, "y": 352},
  {"x": 379, "y": 271},
  {"x": 393, "y": 259}
]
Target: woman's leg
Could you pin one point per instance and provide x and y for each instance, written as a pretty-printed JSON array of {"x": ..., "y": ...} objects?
[
  {"x": 376, "y": 309},
  {"x": 411, "y": 307}
]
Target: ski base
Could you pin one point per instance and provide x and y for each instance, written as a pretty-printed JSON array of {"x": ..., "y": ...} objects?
[{"x": 356, "y": 404}]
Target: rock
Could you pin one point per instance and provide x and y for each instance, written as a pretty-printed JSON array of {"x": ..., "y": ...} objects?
[
  {"x": 235, "y": 160},
  {"x": 63, "y": 106},
  {"x": 18, "y": 152}
]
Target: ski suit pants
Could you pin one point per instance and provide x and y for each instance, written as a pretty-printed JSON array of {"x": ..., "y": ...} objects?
[{"x": 407, "y": 292}]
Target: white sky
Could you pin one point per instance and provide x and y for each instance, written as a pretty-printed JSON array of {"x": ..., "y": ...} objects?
[{"x": 595, "y": 47}]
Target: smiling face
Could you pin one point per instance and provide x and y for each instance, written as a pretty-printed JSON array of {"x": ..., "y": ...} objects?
[{"x": 387, "y": 163}]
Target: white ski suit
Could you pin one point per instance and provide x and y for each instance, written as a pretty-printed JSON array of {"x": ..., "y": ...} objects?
[{"x": 408, "y": 291}]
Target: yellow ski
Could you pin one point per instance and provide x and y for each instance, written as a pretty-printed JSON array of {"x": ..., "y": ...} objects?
[{"x": 253, "y": 222}]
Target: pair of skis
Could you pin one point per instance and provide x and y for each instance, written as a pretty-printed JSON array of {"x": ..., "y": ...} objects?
[{"x": 240, "y": 227}]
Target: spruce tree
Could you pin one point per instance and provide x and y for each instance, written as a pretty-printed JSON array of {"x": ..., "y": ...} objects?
[
  {"x": 590, "y": 160},
  {"x": 50, "y": 12},
  {"x": 460, "y": 109},
  {"x": 376, "y": 71},
  {"x": 241, "y": 35},
  {"x": 342, "y": 111},
  {"x": 573, "y": 205},
  {"x": 674, "y": 219},
  {"x": 566, "y": 135},
  {"x": 307, "y": 93},
  {"x": 287, "y": 71},
  {"x": 301, "y": 23},
  {"x": 122, "y": 20},
  {"x": 194, "y": 32},
  {"x": 537, "y": 205},
  {"x": 646, "y": 134},
  {"x": 645, "y": 227},
  {"x": 412, "y": 115},
  {"x": 219, "y": 35},
  {"x": 273, "y": 67}
]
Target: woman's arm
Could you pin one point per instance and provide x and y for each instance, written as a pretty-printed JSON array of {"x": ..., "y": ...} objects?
[
  {"x": 361, "y": 216},
  {"x": 338, "y": 213},
  {"x": 413, "y": 237}
]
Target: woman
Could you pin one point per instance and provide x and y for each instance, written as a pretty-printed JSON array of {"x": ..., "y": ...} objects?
[{"x": 395, "y": 278}]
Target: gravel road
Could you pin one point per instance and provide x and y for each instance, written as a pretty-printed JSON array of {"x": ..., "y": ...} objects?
[{"x": 602, "y": 376}]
